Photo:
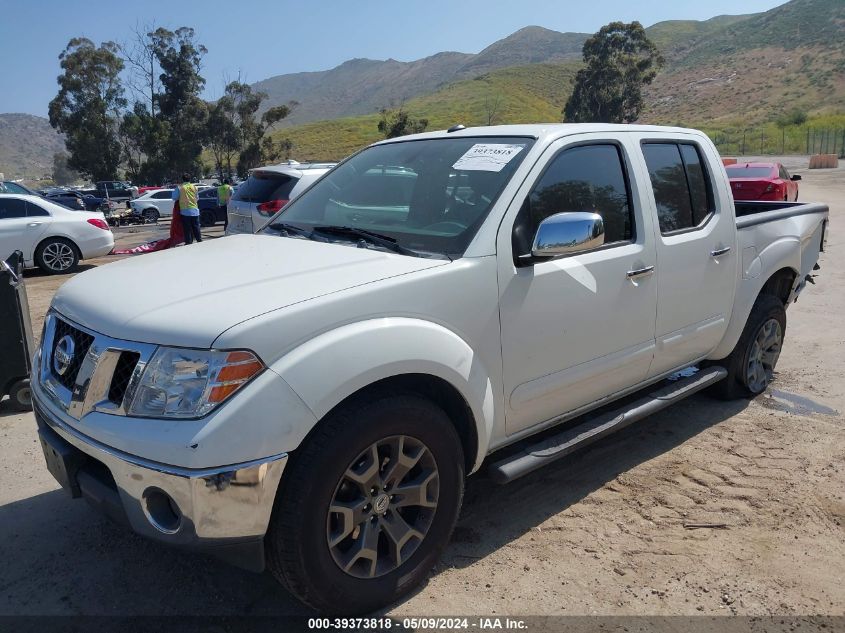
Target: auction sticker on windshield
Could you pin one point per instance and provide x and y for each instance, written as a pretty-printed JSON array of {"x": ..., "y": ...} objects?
[{"x": 487, "y": 157}]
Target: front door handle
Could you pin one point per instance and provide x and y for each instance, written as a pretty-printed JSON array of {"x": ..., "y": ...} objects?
[
  {"x": 720, "y": 251},
  {"x": 640, "y": 272},
  {"x": 35, "y": 224}
]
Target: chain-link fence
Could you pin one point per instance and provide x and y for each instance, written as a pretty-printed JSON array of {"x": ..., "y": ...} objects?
[{"x": 805, "y": 139}]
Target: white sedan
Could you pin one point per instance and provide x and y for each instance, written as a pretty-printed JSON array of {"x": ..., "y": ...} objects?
[
  {"x": 154, "y": 204},
  {"x": 51, "y": 236}
]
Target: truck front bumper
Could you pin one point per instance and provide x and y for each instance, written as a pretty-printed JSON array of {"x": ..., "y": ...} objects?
[{"x": 224, "y": 510}]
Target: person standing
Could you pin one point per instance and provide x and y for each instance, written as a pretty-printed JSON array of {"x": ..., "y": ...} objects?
[
  {"x": 224, "y": 194},
  {"x": 189, "y": 211}
]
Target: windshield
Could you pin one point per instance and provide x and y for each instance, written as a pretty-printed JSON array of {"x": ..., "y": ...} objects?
[
  {"x": 429, "y": 196},
  {"x": 749, "y": 172}
]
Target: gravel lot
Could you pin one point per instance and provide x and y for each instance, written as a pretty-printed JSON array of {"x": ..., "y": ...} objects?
[{"x": 601, "y": 533}]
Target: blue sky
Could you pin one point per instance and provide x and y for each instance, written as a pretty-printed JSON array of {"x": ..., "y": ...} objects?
[{"x": 262, "y": 38}]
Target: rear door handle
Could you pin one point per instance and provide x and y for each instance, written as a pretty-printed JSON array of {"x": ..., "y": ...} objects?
[
  {"x": 640, "y": 272},
  {"x": 35, "y": 224},
  {"x": 720, "y": 251}
]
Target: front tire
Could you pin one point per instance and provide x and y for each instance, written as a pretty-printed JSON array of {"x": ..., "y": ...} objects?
[
  {"x": 150, "y": 216},
  {"x": 367, "y": 504},
  {"x": 57, "y": 256},
  {"x": 20, "y": 395},
  {"x": 752, "y": 362}
]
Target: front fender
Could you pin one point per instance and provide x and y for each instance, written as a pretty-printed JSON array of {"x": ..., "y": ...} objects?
[{"x": 336, "y": 364}]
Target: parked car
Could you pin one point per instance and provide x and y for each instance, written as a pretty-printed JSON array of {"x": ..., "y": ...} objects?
[
  {"x": 146, "y": 188},
  {"x": 158, "y": 203},
  {"x": 210, "y": 212},
  {"x": 51, "y": 236},
  {"x": 501, "y": 296},
  {"x": 762, "y": 181},
  {"x": 267, "y": 190},
  {"x": 9, "y": 186},
  {"x": 116, "y": 190},
  {"x": 74, "y": 199},
  {"x": 152, "y": 205}
]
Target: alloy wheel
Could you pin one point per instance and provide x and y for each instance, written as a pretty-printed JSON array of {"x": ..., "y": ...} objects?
[
  {"x": 383, "y": 507},
  {"x": 58, "y": 256},
  {"x": 764, "y": 354}
]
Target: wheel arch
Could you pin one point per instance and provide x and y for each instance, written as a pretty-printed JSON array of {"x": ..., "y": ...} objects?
[
  {"x": 780, "y": 284},
  {"x": 432, "y": 388},
  {"x": 56, "y": 236},
  {"x": 398, "y": 354}
]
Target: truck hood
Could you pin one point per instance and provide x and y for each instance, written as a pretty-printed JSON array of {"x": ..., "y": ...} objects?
[{"x": 188, "y": 296}]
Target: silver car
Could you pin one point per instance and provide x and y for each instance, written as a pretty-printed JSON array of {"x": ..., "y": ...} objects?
[{"x": 267, "y": 190}]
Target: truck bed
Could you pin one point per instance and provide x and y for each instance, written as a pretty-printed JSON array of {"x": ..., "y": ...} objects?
[{"x": 749, "y": 213}]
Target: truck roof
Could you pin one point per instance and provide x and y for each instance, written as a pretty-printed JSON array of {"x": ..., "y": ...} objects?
[{"x": 540, "y": 131}]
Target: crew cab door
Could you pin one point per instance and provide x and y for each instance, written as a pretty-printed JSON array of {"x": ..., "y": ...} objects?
[
  {"x": 696, "y": 242},
  {"x": 581, "y": 327}
]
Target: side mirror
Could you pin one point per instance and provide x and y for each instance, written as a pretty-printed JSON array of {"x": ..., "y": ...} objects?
[
  {"x": 796, "y": 177},
  {"x": 568, "y": 233}
]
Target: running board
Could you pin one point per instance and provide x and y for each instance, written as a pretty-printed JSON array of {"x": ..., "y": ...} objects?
[{"x": 568, "y": 441}]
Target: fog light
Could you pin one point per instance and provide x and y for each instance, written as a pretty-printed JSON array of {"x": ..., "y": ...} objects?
[{"x": 161, "y": 510}]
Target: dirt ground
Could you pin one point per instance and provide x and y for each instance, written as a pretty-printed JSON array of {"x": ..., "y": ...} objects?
[{"x": 609, "y": 531}]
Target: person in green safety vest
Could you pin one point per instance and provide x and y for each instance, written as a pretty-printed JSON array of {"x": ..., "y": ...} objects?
[
  {"x": 224, "y": 194},
  {"x": 186, "y": 194}
]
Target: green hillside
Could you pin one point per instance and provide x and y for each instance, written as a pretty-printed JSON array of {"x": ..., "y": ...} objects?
[
  {"x": 673, "y": 37},
  {"x": 521, "y": 94},
  {"x": 796, "y": 24}
]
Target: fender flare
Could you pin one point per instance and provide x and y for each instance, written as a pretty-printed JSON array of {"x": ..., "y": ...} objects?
[
  {"x": 780, "y": 254},
  {"x": 336, "y": 364}
]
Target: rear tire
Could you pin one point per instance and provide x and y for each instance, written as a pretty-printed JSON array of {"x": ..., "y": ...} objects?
[
  {"x": 150, "y": 216},
  {"x": 351, "y": 563},
  {"x": 57, "y": 256},
  {"x": 207, "y": 218},
  {"x": 752, "y": 362}
]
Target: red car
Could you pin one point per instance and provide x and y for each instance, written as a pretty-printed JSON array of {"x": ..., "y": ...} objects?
[
  {"x": 762, "y": 181},
  {"x": 145, "y": 189}
]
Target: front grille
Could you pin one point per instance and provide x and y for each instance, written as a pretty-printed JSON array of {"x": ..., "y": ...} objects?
[
  {"x": 81, "y": 342},
  {"x": 122, "y": 373}
]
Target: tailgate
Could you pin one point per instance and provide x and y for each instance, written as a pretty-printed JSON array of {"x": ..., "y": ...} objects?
[{"x": 240, "y": 216}]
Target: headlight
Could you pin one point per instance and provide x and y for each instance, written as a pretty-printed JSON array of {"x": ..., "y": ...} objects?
[{"x": 189, "y": 383}]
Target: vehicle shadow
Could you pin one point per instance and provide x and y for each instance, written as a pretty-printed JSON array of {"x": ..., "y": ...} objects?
[
  {"x": 62, "y": 557},
  {"x": 6, "y": 409},
  {"x": 34, "y": 273},
  {"x": 484, "y": 527}
]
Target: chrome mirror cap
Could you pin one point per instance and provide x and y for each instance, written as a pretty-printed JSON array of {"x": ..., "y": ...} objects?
[{"x": 568, "y": 233}]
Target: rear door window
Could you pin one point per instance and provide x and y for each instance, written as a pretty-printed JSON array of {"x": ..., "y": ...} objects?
[
  {"x": 682, "y": 191},
  {"x": 35, "y": 211},
  {"x": 11, "y": 208},
  {"x": 263, "y": 186},
  {"x": 162, "y": 195}
]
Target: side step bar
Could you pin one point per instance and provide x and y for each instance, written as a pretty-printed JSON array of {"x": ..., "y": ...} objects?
[{"x": 568, "y": 441}]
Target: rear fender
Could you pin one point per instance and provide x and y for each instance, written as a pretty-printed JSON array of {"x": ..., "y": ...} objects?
[
  {"x": 337, "y": 364},
  {"x": 757, "y": 269}
]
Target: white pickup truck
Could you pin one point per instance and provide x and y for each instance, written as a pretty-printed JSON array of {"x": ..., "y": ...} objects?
[{"x": 314, "y": 395}]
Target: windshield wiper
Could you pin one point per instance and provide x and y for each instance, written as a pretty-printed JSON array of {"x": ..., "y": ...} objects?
[
  {"x": 378, "y": 239},
  {"x": 284, "y": 227}
]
